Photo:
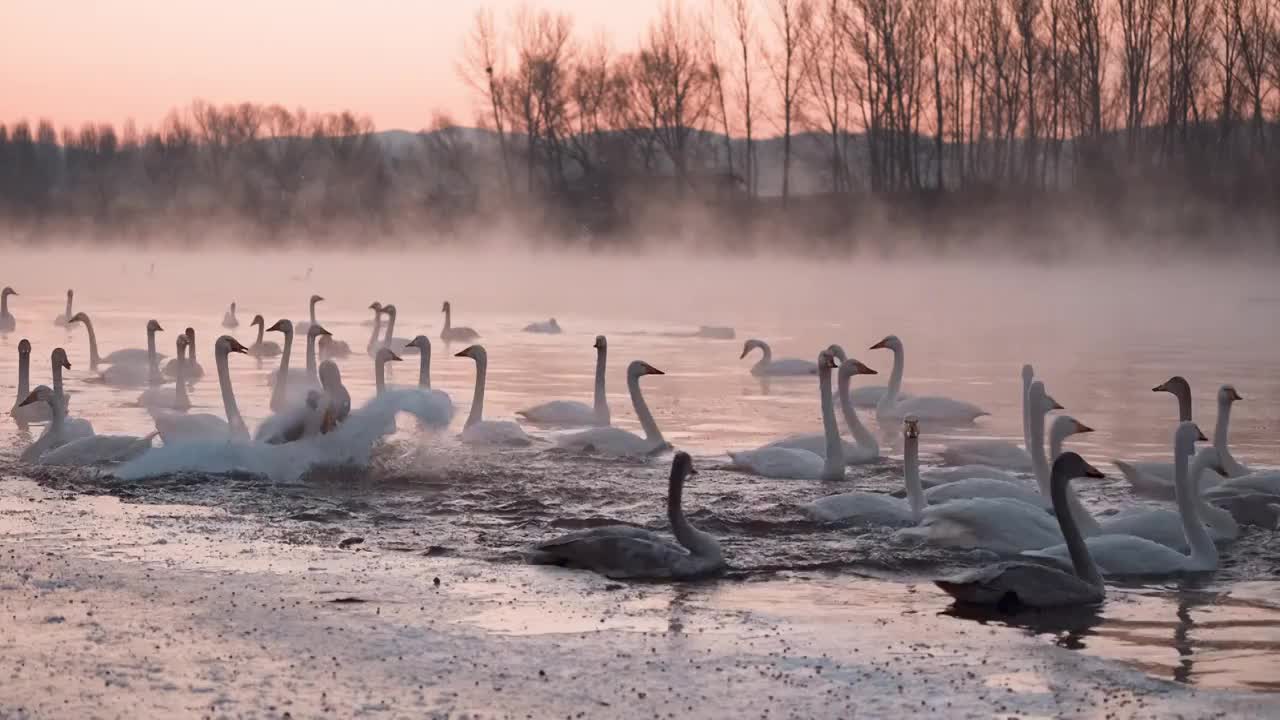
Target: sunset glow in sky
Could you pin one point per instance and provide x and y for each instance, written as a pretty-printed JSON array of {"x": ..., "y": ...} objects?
[{"x": 394, "y": 60}]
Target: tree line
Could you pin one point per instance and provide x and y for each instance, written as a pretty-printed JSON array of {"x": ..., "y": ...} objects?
[{"x": 808, "y": 111}]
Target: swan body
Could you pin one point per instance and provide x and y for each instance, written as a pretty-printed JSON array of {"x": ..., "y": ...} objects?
[
  {"x": 768, "y": 367},
  {"x": 229, "y": 319},
  {"x": 455, "y": 334},
  {"x": 625, "y": 552},
  {"x": 1013, "y": 584},
  {"x": 477, "y": 430},
  {"x": 302, "y": 326},
  {"x": 192, "y": 369},
  {"x": 774, "y": 461},
  {"x": 572, "y": 412},
  {"x": 429, "y": 401},
  {"x": 138, "y": 356},
  {"x": 175, "y": 428},
  {"x": 864, "y": 508},
  {"x": 550, "y": 327},
  {"x": 289, "y": 388},
  {"x": 929, "y": 409},
  {"x": 616, "y": 441},
  {"x": 64, "y": 319},
  {"x": 60, "y": 430},
  {"x": 1157, "y": 478},
  {"x": 129, "y": 373},
  {"x": 97, "y": 450},
  {"x": 865, "y": 449},
  {"x": 934, "y": 477},
  {"x": 996, "y": 453},
  {"x": 329, "y": 349},
  {"x": 1262, "y": 483},
  {"x": 1164, "y": 526},
  {"x": 1133, "y": 555},
  {"x": 35, "y": 412},
  {"x": 161, "y": 397},
  {"x": 8, "y": 323},
  {"x": 263, "y": 348}
]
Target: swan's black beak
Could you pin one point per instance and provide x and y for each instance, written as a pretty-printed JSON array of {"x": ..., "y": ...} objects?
[
  {"x": 1082, "y": 428},
  {"x": 1162, "y": 387},
  {"x": 1200, "y": 436},
  {"x": 1055, "y": 405},
  {"x": 879, "y": 346},
  {"x": 31, "y": 400},
  {"x": 1092, "y": 472},
  {"x": 1234, "y": 395}
]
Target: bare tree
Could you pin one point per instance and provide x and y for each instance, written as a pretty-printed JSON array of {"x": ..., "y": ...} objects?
[
  {"x": 741, "y": 22},
  {"x": 1137, "y": 38},
  {"x": 790, "y": 65},
  {"x": 482, "y": 69},
  {"x": 829, "y": 80}
]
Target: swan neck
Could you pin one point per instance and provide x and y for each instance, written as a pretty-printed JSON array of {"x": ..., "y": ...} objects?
[
  {"x": 377, "y": 329},
  {"x": 1221, "y": 426},
  {"x": 651, "y": 432},
  {"x": 228, "y": 395},
  {"x": 311, "y": 356},
  {"x": 57, "y": 379},
  {"x": 380, "y": 376},
  {"x": 391, "y": 326},
  {"x": 68, "y": 311},
  {"x": 424, "y": 368},
  {"x": 313, "y": 312},
  {"x": 180, "y": 380},
  {"x": 4, "y": 305},
  {"x": 1081, "y": 560},
  {"x": 262, "y": 331},
  {"x": 1039, "y": 464},
  {"x": 1026, "y": 414},
  {"x": 1203, "y": 551},
  {"x": 833, "y": 463},
  {"x": 24, "y": 377},
  {"x": 861, "y": 435},
  {"x": 477, "y": 399},
  {"x": 153, "y": 363},
  {"x": 448, "y": 320},
  {"x": 282, "y": 376},
  {"x": 911, "y": 470},
  {"x": 693, "y": 539},
  {"x": 1184, "y": 405},
  {"x": 600, "y": 401},
  {"x": 94, "y": 358},
  {"x": 890, "y": 397}
]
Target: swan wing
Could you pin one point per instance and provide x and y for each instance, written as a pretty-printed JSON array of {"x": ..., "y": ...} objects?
[
  {"x": 862, "y": 508},
  {"x": 180, "y": 427},
  {"x": 985, "y": 488},
  {"x": 816, "y": 443},
  {"x": 1001, "y": 525},
  {"x": 560, "y": 412},
  {"x": 941, "y": 476},
  {"x": 97, "y": 450},
  {"x": 994, "y": 453},
  {"x": 616, "y": 552},
  {"x": 867, "y": 397},
  {"x": 936, "y": 409},
  {"x": 1122, "y": 555},
  {"x": 126, "y": 375},
  {"x": 779, "y": 463},
  {"x": 495, "y": 432},
  {"x": 130, "y": 356},
  {"x": 1020, "y": 583},
  {"x": 433, "y": 408},
  {"x": 607, "y": 441},
  {"x": 790, "y": 366}
]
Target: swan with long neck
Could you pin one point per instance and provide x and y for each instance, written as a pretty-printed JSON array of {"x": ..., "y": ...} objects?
[
  {"x": 291, "y": 385},
  {"x": 35, "y": 412},
  {"x": 94, "y": 358},
  {"x": 1156, "y": 479},
  {"x": 385, "y": 355},
  {"x": 863, "y": 397},
  {"x": 192, "y": 369},
  {"x": 768, "y": 367},
  {"x": 303, "y": 325},
  {"x": 1165, "y": 526},
  {"x": 865, "y": 448},
  {"x": 628, "y": 552},
  {"x": 1000, "y": 454},
  {"x": 64, "y": 319},
  {"x": 784, "y": 462},
  {"x": 176, "y": 428},
  {"x": 864, "y": 508},
  {"x": 132, "y": 367},
  {"x": 229, "y": 319},
  {"x": 1010, "y": 585},
  {"x": 455, "y": 334},
  {"x": 339, "y": 397},
  {"x": 261, "y": 347},
  {"x": 574, "y": 413},
  {"x": 929, "y": 409},
  {"x": 61, "y": 429},
  {"x": 83, "y": 450},
  {"x": 8, "y": 323},
  {"x": 375, "y": 338},
  {"x": 1132, "y": 555},
  {"x": 616, "y": 441},
  {"x": 433, "y": 408},
  {"x": 160, "y": 397},
  {"x": 1180, "y": 389},
  {"x": 138, "y": 356},
  {"x": 389, "y": 340},
  {"x": 477, "y": 430}
]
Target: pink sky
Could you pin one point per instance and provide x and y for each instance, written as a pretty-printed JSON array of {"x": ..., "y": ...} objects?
[{"x": 393, "y": 60}]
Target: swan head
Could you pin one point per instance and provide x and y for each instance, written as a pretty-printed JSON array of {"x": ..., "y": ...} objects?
[
  {"x": 316, "y": 329},
  {"x": 8, "y": 291},
  {"x": 1028, "y": 374},
  {"x": 1040, "y": 399},
  {"x": 330, "y": 375},
  {"x": 1186, "y": 437},
  {"x": 1176, "y": 385},
  {"x": 682, "y": 466},
  {"x": 1071, "y": 465},
  {"x": 826, "y": 361},
  {"x": 839, "y": 353},
  {"x": 1070, "y": 426},
  {"x": 257, "y": 320},
  {"x": 911, "y": 427},
  {"x": 24, "y": 347},
  {"x": 227, "y": 344},
  {"x": 59, "y": 357},
  {"x": 1227, "y": 394},
  {"x": 284, "y": 326},
  {"x": 153, "y": 326},
  {"x": 421, "y": 342},
  {"x": 389, "y": 309},
  {"x": 375, "y": 306},
  {"x": 446, "y": 307},
  {"x": 475, "y": 352},
  {"x": 182, "y": 343},
  {"x": 851, "y": 367},
  {"x": 600, "y": 343},
  {"x": 233, "y": 307},
  {"x": 190, "y": 333},
  {"x": 890, "y": 342},
  {"x": 385, "y": 355},
  {"x": 750, "y": 345},
  {"x": 640, "y": 368},
  {"x": 315, "y": 299},
  {"x": 554, "y": 324},
  {"x": 71, "y": 294},
  {"x": 42, "y": 393},
  {"x": 79, "y": 317}
]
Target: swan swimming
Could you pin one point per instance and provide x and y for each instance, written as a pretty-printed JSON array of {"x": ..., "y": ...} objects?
[
  {"x": 865, "y": 449},
  {"x": 129, "y": 372},
  {"x": 929, "y": 409},
  {"x": 616, "y": 441},
  {"x": 61, "y": 429},
  {"x": 1164, "y": 526},
  {"x": 438, "y": 399},
  {"x": 864, "y": 397},
  {"x": 1156, "y": 478},
  {"x": 477, "y": 430},
  {"x": 451, "y": 333},
  {"x": 8, "y": 323},
  {"x": 302, "y": 326},
  {"x": 550, "y": 327},
  {"x": 996, "y": 453},
  {"x": 1009, "y": 585},
  {"x": 290, "y": 385},
  {"x": 229, "y": 319},
  {"x": 87, "y": 449},
  {"x": 572, "y": 412},
  {"x": 160, "y": 397},
  {"x": 193, "y": 370},
  {"x": 625, "y": 552},
  {"x": 137, "y": 356},
  {"x": 177, "y": 428},
  {"x": 35, "y": 412},
  {"x": 769, "y": 367},
  {"x": 263, "y": 348},
  {"x": 864, "y": 508},
  {"x": 1132, "y": 555},
  {"x": 64, "y": 319},
  {"x": 773, "y": 461},
  {"x": 388, "y": 340}
]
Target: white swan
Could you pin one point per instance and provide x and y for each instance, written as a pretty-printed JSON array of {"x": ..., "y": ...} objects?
[
  {"x": 61, "y": 429},
  {"x": 8, "y": 323},
  {"x": 385, "y": 355},
  {"x": 263, "y": 348},
  {"x": 929, "y": 409},
  {"x": 550, "y": 327},
  {"x": 128, "y": 373},
  {"x": 177, "y": 428},
  {"x": 291, "y": 385},
  {"x": 375, "y": 338},
  {"x": 1010, "y": 585},
  {"x": 192, "y": 368},
  {"x": 865, "y": 449},
  {"x": 1165, "y": 526},
  {"x": 773, "y": 461},
  {"x": 477, "y": 430},
  {"x": 434, "y": 408},
  {"x": 229, "y": 319},
  {"x": 628, "y": 552},
  {"x": 137, "y": 356},
  {"x": 996, "y": 453},
  {"x": 64, "y": 319},
  {"x": 36, "y": 412},
  {"x": 451, "y": 333},
  {"x": 572, "y": 412},
  {"x": 160, "y": 397},
  {"x": 1002, "y": 525},
  {"x": 1264, "y": 482},
  {"x": 87, "y": 449},
  {"x": 1132, "y": 555},
  {"x": 864, "y": 397},
  {"x": 1156, "y": 478},
  {"x": 769, "y": 367},
  {"x": 302, "y": 326},
  {"x": 1180, "y": 389},
  {"x": 616, "y": 441},
  {"x": 389, "y": 340},
  {"x": 311, "y": 417},
  {"x": 864, "y": 508}
]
